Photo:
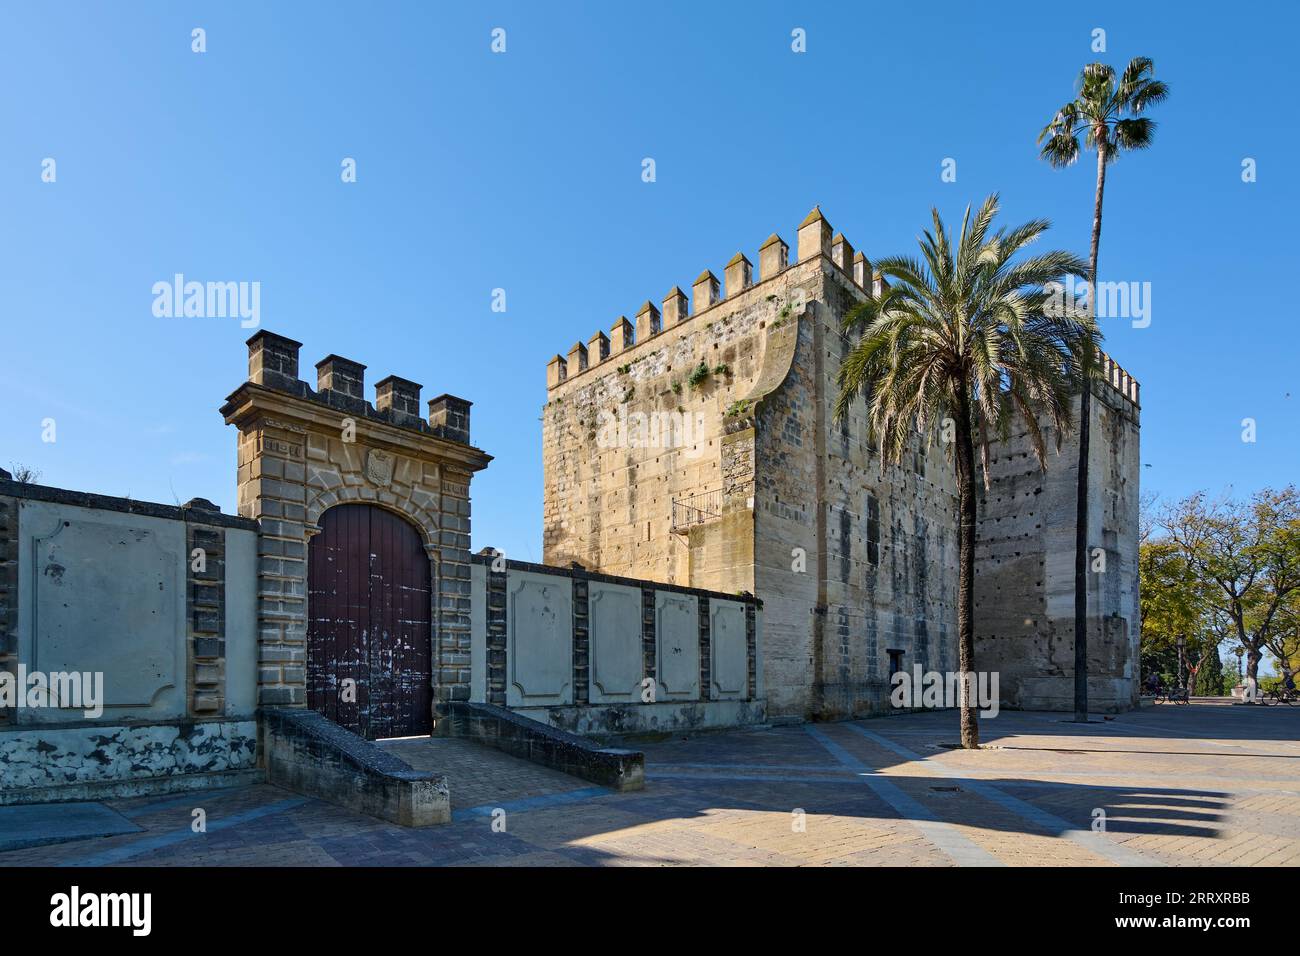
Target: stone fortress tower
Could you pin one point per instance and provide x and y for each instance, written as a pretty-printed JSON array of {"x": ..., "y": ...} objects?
[{"x": 698, "y": 447}]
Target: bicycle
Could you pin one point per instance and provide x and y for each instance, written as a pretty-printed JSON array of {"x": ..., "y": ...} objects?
[
  {"x": 1281, "y": 695},
  {"x": 1172, "y": 695}
]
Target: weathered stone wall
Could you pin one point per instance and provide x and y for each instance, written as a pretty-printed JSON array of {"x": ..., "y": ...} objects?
[
  {"x": 574, "y": 649},
  {"x": 854, "y": 563},
  {"x": 1025, "y": 564},
  {"x": 134, "y": 599},
  {"x": 44, "y": 763},
  {"x": 851, "y": 562},
  {"x": 788, "y": 503},
  {"x": 306, "y": 752},
  {"x": 609, "y": 491},
  {"x": 138, "y": 592}
]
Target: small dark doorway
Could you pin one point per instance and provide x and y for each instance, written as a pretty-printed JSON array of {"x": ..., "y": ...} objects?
[{"x": 368, "y": 623}]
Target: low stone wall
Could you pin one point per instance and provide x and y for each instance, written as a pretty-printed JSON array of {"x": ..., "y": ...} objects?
[
  {"x": 58, "y": 763},
  {"x": 633, "y": 720},
  {"x": 307, "y": 753},
  {"x": 520, "y": 736},
  {"x": 604, "y": 655},
  {"x": 127, "y": 645},
  {"x": 157, "y": 600}
]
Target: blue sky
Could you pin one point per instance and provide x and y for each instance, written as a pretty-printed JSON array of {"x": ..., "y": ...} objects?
[{"x": 522, "y": 171}]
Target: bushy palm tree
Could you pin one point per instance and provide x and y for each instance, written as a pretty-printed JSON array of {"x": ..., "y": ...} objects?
[
  {"x": 1106, "y": 112},
  {"x": 967, "y": 337}
]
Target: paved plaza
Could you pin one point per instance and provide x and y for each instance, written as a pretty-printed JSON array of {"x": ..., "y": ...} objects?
[{"x": 1207, "y": 783}]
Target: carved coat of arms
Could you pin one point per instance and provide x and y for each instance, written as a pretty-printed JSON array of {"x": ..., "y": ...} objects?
[{"x": 379, "y": 466}]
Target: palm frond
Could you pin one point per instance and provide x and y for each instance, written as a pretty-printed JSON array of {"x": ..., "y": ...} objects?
[{"x": 971, "y": 327}]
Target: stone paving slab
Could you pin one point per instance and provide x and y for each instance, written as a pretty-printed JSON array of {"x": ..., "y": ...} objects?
[
  {"x": 1194, "y": 785},
  {"x": 46, "y": 823}
]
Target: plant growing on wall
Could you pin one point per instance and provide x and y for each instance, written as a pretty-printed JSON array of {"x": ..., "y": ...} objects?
[
  {"x": 963, "y": 338},
  {"x": 24, "y": 474},
  {"x": 699, "y": 375}
]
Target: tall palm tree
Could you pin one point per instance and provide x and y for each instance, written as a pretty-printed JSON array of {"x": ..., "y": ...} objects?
[
  {"x": 966, "y": 335},
  {"x": 1106, "y": 113}
]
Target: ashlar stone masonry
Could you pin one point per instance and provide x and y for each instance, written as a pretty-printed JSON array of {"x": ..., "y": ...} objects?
[
  {"x": 303, "y": 451},
  {"x": 737, "y": 478}
]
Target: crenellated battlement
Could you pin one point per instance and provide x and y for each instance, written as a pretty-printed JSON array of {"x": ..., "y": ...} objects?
[
  {"x": 340, "y": 384},
  {"x": 814, "y": 239},
  {"x": 1121, "y": 381}
]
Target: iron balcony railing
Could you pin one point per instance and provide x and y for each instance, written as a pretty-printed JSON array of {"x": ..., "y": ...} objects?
[{"x": 696, "y": 509}]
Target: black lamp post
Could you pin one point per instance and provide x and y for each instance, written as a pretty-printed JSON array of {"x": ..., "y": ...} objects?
[{"x": 1181, "y": 643}]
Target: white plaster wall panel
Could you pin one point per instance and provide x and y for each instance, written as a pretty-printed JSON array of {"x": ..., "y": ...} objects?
[
  {"x": 104, "y": 592},
  {"x": 729, "y": 664},
  {"x": 617, "y": 657},
  {"x": 539, "y": 652},
  {"x": 677, "y": 645}
]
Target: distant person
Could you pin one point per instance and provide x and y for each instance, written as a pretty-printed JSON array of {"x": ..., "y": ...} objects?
[{"x": 1153, "y": 684}]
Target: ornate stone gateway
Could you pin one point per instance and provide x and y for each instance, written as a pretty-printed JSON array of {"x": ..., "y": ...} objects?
[
  {"x": 369, "y": 664},
  {"x": 363, "y": 561}
]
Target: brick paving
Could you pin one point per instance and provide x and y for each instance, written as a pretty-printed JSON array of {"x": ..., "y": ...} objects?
[
  {"x": 481, "y": 776},
  {"x": 1179, "y": 786}
]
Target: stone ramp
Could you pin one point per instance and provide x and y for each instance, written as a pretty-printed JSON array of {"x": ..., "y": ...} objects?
[
  {"x": 47, "y": 823},
  {"x": 480, "y": 776}
]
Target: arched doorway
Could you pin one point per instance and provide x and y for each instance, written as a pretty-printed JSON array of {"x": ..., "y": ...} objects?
[{"x": 368, "y": 623}]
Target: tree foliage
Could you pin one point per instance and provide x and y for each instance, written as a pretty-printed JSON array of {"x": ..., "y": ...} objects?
[{"x": 1225, "y": 570}]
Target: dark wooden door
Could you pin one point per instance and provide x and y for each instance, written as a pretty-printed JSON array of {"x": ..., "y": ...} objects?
[{"x": 368, "y": 614}]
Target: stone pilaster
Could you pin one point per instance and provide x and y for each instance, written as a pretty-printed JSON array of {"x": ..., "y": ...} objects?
[
  {"x": 751, "y": 649},
  {"x": 581, "y": 641},
  {"x": 496, "y": 637},
  {"x": 706, "y": 658},
  {"x": 8, "y": 590},
  {"x": 648, "y": 625},
  {"x": 452, "y": 587},
  {"x": 205, "y": 608}
]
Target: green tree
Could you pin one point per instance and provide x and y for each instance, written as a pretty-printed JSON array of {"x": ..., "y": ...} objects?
[
  {"x": 1175, "y": 606},
  {"x": 964, "y": 336},
  {"x": 1248, "y": 556},
  {"x": 1209, "y": 677},
  {"x": 1106, "y": 112},
  {"x": 1283, "y": 639}
]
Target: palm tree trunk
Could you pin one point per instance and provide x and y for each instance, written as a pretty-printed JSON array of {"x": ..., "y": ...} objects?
[
  {"x": 970, "y": 730},
  {"x": 1081, "y": 506}
]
